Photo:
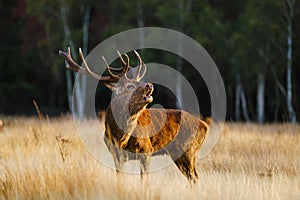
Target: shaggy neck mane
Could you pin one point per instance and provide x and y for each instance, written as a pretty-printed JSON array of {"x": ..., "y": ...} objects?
[{"x": 121, "y": 120}]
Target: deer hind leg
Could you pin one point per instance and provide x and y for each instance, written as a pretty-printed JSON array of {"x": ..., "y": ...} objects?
[
  {"x": 186, "y": 164},
  {"x": 144, "y": 164}
]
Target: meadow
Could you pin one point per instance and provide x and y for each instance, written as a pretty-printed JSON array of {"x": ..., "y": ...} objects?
[{"x": 45, "y": 159}]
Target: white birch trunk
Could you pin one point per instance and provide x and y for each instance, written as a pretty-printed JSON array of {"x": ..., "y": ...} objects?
[
  {"x": 261, "y": 98},
  {"x": 244, "y": 105},
  {"x": 80, "y": 84},
  {"x": 68, "y": 42},
  {"x": 140, "y": 24},
  {"x": 69, "y": 88},
  {"x": 289, "y": 56},
  {"x": 184, "y": 8},
  {"x": 179, "y": 81},
  {"x": 237, "y": 113},
  {"x": 85, "y": 38},
  {"x": 179, "y": 59},
  {"x": 140, "y": 21},
  {"x": 240, "y": 101},
  {"x": 78, "y": 101},
  {"x": 85, "y": 29}
]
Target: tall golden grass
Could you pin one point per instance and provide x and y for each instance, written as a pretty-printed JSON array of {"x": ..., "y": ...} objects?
[{"x": 45, "y": 159}]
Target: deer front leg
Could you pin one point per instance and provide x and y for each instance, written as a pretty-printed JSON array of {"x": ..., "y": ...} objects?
[
  {"x": 119, "y": 160},
  {"x": 144, "y": 151},
  {"x": 119, "y": 157}
]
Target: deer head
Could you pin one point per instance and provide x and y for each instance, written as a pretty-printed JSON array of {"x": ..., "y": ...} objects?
[{"x": 127, "y": 91}]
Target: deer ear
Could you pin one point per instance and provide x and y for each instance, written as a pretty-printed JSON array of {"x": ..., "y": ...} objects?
[
  {"x": 114, "y": 87},
  {"x": 110, "y": 86}
]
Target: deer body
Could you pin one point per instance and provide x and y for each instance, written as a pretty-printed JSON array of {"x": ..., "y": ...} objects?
[
  {"x": 133, "y": 132},
  {"x": 176, "y": 136}
]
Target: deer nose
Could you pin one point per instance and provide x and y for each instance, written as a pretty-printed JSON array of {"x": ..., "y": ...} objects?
[{"x": 149, "y": 86}]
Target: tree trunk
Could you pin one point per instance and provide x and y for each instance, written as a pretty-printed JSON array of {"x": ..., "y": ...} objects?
[
  {"x": 68, "y": 42},
  {"x": 289, "y": 56},
  {"x": 85, "y": 39},
  {"x": 277, "y": 106},
  {"x": 77, "y": 104},
  {"x": 85, "y": 29},
  {"x": 240, "y": 97},
  {"x": 179, "y": 59},
  {"x": 261, "y": 98},
  {"x": 184, "y": 8},
  {"x": 179, "y": 82},
  {"x": 140, "y": 21},
  {"x": 80, "y": 84},
  {"x": 140, "y": 24},
  {"x": 244, "y": 105},
  {"x": 69, "y": 87},
  {"x": 237, "y": 113}
]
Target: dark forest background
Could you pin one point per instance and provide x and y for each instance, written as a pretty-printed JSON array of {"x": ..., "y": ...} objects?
[{"x": 254, "y": 43}]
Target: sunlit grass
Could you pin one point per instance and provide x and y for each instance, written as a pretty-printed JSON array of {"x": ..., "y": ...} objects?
[{"x": 249, "y": 162}]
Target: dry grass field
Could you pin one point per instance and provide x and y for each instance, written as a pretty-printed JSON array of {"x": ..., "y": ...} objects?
[{"x": 249, "y": 162}]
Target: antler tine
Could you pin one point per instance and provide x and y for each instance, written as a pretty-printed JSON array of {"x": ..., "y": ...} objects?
[
  {"x": 69, "y": 62},
  {"x": 144, "y": 73},
  {"x": 139, "y": 65},
  {"x": 108, "y": 69},
  {"x": 96, "y": 76},
  {"x": 126, "y": 66},
  {"x": 120, "y": 69},
  {"x": 121, "y": 58},
  {"x": 138, "y": 57}
]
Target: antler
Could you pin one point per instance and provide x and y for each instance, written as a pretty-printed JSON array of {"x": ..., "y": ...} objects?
[
  {"x": 138, "y": 77},
  {"x": 71, "y": 64}
]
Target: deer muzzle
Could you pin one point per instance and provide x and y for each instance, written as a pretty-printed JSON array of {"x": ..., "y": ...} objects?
[{"x": 148, "y": 92}]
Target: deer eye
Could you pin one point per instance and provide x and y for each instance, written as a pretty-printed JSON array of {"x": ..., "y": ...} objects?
[{"x": 130, "y": 87}]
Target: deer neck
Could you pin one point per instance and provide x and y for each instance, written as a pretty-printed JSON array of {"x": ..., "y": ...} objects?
[{"x": 120, "y": 121}]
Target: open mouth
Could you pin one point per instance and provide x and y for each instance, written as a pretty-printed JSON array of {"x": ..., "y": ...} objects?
[{"x": 147, "y": 95}]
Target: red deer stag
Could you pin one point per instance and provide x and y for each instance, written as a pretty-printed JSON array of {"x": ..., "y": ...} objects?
[{"x": 134, "y": 132}]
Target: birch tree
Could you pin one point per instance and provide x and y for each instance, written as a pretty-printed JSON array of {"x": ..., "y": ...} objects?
[
  {"x": 288, "y": 13},
  {"x": 240, "y": 101},
  {"x": 184, "y": 8},
  {"x": 283, "y": 41},
  {"x": 140, "y": 21},
  {"x": 260, "y": 97},
  {"x": 80, "y": 84},
  {"x": 41, "y": 9}
]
